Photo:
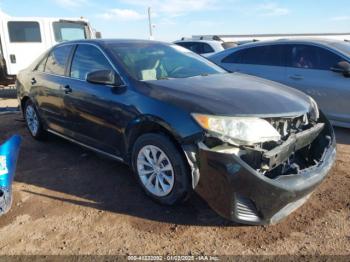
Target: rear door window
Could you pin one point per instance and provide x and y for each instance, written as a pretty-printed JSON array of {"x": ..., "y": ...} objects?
[
  {"x": 206, "y": 48},
  {"x": 270, "y": 55},
  {"x": 233, "y": 58},
  {"x": 41, "y": 66},
  {"x": 193, "y": 46},
  {"x": 312, "y": 57},
  {"x": 24, "y": 32},
  {"x": 57, "y": 60},
  {"x": 88, "y": 58}
]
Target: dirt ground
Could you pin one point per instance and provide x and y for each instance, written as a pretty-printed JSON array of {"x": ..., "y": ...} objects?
[{"x": 71, "y": 201}]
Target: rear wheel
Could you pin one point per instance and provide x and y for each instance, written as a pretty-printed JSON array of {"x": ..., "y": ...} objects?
[
  {"x": 33, "y": 121},
  {"x": 160, "y": 168}
]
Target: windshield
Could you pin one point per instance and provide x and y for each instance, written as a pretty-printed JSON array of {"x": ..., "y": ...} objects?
[
  {"x": 156, "y": 61},
  {"x": 343, "y": 47},
  {"x": 68, "y": 31}
]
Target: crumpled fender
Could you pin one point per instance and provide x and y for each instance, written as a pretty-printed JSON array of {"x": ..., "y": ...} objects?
[{"x": 8, "y": 160}]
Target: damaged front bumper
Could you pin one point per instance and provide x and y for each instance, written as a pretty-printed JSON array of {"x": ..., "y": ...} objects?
[{"x": 237, "y": 191}]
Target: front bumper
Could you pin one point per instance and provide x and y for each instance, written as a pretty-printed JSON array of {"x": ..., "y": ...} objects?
[{"x": 240, "y": 193}]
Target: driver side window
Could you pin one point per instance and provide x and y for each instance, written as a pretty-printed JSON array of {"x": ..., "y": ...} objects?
[
  {"x": 88, "y": 58},
  {"x": 313, "y": 57}
]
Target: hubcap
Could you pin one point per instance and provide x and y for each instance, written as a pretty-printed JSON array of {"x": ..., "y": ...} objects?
[
  {"x": 32, "y": 120},
  {"x": 155, "y": 170}
]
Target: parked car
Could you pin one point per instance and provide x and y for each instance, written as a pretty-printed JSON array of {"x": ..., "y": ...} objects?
[
  {"x": 320, "y": 68},
  {"x": 253, "y": 149},
  {"x": 18, "y": 35},
  {"x": 204, "y": 47}
]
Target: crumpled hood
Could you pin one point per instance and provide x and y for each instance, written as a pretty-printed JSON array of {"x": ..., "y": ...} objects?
[{"x": 232, "y": 94}]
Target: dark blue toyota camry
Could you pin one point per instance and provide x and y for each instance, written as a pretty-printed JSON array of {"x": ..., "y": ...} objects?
[{"x": 253, "y": 149}]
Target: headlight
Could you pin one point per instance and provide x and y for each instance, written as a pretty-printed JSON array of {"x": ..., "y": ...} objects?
[
  {"x": 239, "y": 130},
  {"x": 314, "y": 112}
]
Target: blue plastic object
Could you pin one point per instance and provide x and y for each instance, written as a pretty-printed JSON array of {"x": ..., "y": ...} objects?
[{"x": 8, "y": 161}]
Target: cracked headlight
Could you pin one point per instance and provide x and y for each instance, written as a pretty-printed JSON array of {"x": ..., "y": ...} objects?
[{"x": 238, "y": 130}]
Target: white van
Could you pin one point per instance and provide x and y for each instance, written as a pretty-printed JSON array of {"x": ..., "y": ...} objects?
[{"x": 23, "y": 39}]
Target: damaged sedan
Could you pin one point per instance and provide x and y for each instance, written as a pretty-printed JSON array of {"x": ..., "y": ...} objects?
[{"x": 253, "y": 149}]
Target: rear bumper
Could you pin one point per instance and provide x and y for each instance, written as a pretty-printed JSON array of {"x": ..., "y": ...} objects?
[{"x": 239, "y": 193}]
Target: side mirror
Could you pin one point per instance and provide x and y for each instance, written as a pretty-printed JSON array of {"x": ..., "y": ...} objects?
[
  {"x": 98, "y": 35},
  {"x": 104, "y": 77},
  {"x": 342, "y": 67}
]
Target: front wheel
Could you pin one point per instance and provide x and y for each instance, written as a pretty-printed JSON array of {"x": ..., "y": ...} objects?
[{"x": 161, "y": 169}]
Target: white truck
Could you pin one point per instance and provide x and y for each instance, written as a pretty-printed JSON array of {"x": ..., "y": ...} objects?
[{"x": 23, "y": 39}]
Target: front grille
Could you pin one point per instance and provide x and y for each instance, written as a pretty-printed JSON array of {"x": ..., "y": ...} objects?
[{"x": 245, "y": 209}]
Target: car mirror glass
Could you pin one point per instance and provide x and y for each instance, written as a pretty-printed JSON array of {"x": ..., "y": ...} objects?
[
  {"x": 104, "y": 77},
  {"x": 342, "y": 67}
]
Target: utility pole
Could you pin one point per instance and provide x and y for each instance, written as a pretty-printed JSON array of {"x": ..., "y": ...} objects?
[{"x": 150, "y": 24}]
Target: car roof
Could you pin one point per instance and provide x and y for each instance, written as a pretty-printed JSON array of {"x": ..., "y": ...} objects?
[
  {"x": 113, "y": 41},
  {"x": 197, "y": 41},
  {"x": 320, "y": 41}
]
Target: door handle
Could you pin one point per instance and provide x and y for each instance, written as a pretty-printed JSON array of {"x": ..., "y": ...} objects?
[
  {"x": 296, "y": 77},
  {"x": 67, "y": 89},
  {"x": 33, "y": 81},
  {"x": 13, "y": 59}
]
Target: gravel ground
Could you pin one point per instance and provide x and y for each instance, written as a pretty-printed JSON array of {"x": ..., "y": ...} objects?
[
  {"x": 8, "y": 104},
  {"x": 71, "y": 201}
]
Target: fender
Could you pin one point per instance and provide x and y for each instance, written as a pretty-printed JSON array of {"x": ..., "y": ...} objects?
[
  {"x": 142, "y": 123},
  {"x": 8, "y": 161},
  {"x": 148, "y": 120}
]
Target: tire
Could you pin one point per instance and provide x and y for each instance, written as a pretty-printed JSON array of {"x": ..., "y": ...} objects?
[
  {"x": 8, "y": 93},
  {"x": 172, "y": 172},
  {"x": 33, "y": 121}
]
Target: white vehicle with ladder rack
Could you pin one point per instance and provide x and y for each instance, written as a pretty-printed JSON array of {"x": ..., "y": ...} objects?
[{"x": 22, "y": 39}]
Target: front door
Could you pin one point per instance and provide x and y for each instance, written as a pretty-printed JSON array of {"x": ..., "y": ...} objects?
[
  {"x": 309, "y": 71},
  {"x": 94, "y": 110}
]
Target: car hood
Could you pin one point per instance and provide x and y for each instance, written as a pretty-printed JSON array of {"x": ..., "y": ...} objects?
[{"x": 232, "y": 94}]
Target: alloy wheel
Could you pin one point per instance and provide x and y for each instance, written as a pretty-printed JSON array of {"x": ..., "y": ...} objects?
[
  {"x": 155, "y": 170},
  {"x": 32, "y": 120}
]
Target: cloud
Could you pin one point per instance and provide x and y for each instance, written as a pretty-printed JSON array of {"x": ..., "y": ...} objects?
[
  {"x": 122, "y": 15},
  {"x": 341, "y": 18},
  {"x": 271, "y": 9},
  {"x": 175, "y": 7},
  {"x": 70, "y": 3}
]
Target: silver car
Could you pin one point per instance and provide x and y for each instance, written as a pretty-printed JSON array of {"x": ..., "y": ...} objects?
[{"x": 320, "y": 68}]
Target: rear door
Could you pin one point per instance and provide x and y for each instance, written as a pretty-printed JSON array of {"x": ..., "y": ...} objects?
[
  {"x": 262, "y": 61},
  {"x": 309, "y": 71},
  {"x": 23, "y": 42},
  {"x": 49, "y": 83}
]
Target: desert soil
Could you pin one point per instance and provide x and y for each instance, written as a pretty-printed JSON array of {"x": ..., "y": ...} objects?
[{"x": 71, "y": 201}]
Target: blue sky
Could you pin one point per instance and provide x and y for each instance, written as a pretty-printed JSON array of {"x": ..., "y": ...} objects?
[{"x": 176, "y": 18}]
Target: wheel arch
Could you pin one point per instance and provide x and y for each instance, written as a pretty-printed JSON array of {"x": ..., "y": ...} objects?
[
  {"x": 24, "y": 100},
  {"x": 149, "y": 124}
]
